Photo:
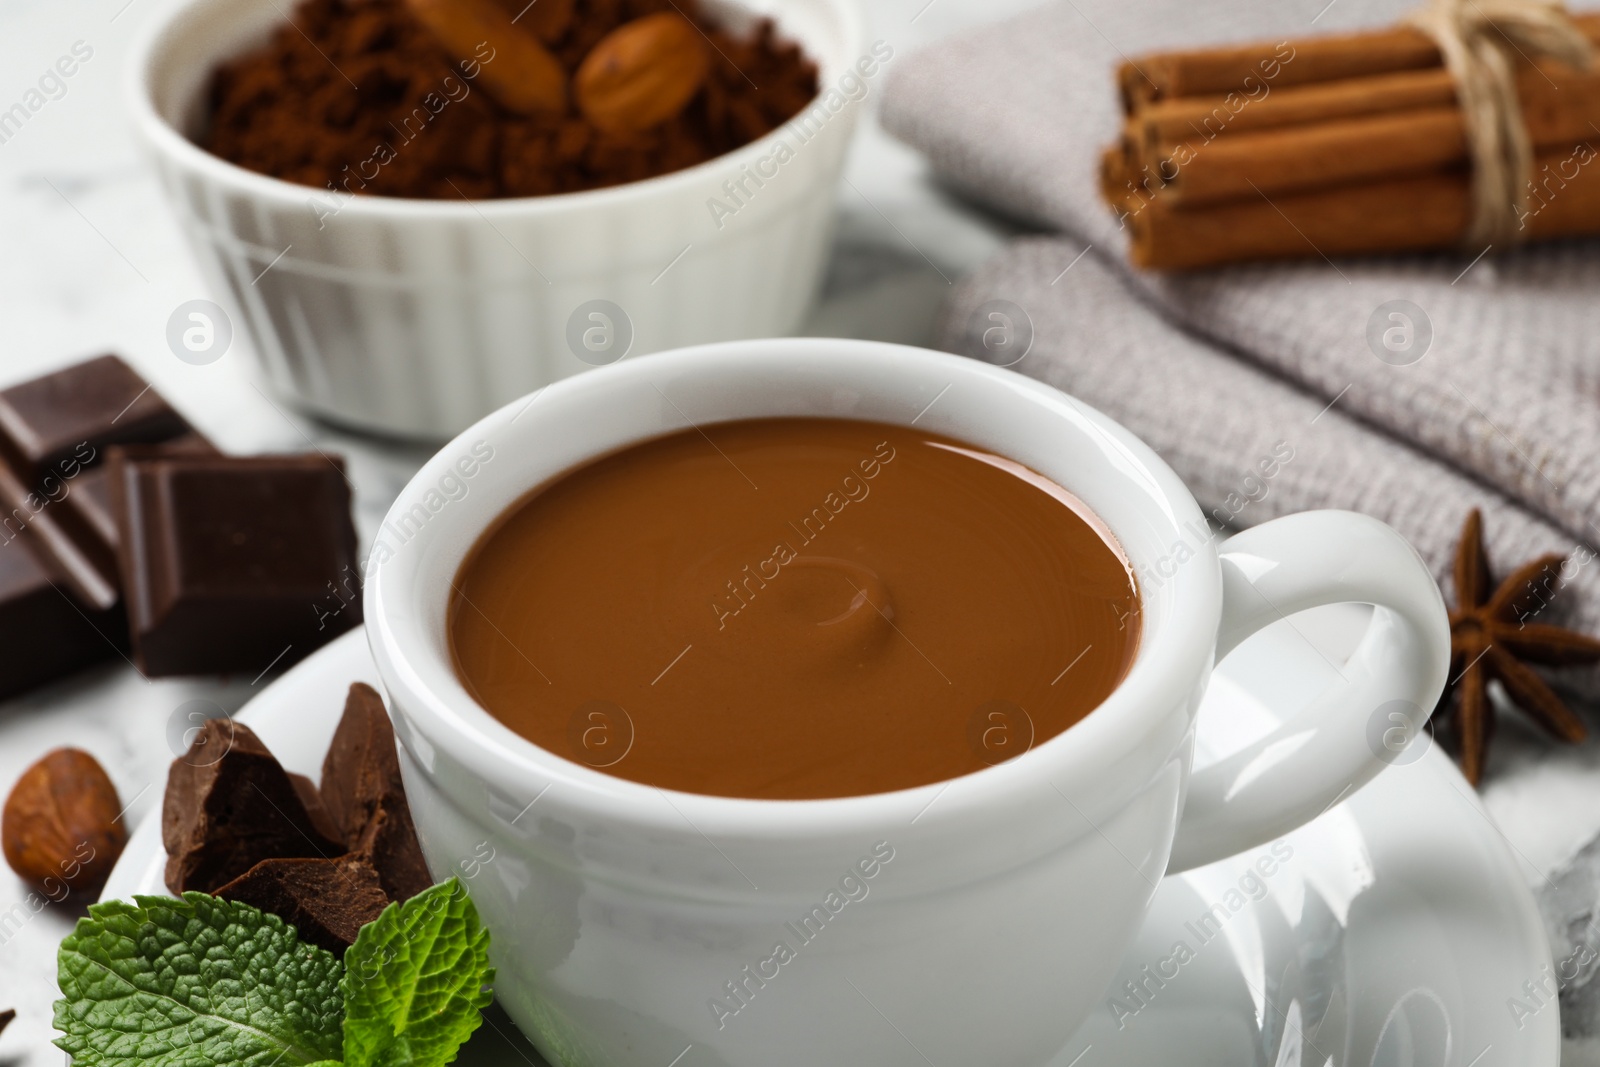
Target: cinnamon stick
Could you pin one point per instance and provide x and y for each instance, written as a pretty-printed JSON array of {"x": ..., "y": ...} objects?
[
  {"x": 1556, "y": 103},
  {"x": 1115, "y": 174},
  {"x": 1281, "y": 63},
  {"x": 1321, "y": 154},
  {"x": 1170, "y": 122},
  {"x": 1213, "y": 71},
  {"x": 1413, "y": 213},
  {"x": 1302, "y": 158}
]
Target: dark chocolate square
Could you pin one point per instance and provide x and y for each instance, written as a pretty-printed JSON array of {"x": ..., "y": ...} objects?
[
  {"x": 58, "y": 423},
  {"x": 89, "y": 501},
  {"x": 85, "y": 511},
  {"x": 233, "y": 563},
  {"x": 43, "y": 632},
  {"x": 55, "y": 511},
  {"x": 85, "y": 568}
]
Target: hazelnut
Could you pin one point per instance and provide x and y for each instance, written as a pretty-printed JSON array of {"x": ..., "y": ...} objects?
[{"x": 61, "y": 830}]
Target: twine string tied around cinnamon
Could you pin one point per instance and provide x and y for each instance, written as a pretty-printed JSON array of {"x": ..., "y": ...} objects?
[{"x": 1477, "y": 39}]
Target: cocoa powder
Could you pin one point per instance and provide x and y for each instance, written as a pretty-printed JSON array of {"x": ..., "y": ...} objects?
[{"x": 358, "y": 96}]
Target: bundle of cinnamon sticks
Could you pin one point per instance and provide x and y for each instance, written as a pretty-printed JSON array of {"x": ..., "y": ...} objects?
[{"x": 1338, "y": 145}]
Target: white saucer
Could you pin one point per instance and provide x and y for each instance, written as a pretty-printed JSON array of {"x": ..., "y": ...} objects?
[{"x": 1396, "y": 933}]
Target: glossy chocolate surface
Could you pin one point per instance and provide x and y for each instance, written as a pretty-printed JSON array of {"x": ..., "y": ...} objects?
[{"x": 795, "y": 608}]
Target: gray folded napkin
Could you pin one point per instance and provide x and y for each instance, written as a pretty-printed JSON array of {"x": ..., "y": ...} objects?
[
  {"x": 1250, "y": 445},
  {"x": 1500, "y": 409}
]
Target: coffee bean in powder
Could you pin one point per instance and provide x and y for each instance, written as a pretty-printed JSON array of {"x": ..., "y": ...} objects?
[{"x": 390, "y": 98}]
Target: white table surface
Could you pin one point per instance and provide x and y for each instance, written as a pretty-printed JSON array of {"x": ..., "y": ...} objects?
[{"x": 91, "y": 261}]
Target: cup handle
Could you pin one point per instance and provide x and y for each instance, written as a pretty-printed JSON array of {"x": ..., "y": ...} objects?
[{"x": 1325, "y": 752}]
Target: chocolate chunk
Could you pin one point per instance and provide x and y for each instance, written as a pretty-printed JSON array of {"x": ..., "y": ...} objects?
[
  {"x": 391, "y": 845},
  {"x": 6, "y": 1017},
  {"x": 362, "y": 790},
  {"x": 361, "y": 767},
  {"x": 230, "y": 563},
  {"x": 327, "y": 901},
  {"x": 44, "y": 634},
  {"x": 224, "y": 814},
  {"x": 58, "y": 423},
  {"x": 311, "y": 797}
]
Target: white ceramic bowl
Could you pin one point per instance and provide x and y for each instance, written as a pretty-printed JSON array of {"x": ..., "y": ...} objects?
[{"x": 417, "y": 317}]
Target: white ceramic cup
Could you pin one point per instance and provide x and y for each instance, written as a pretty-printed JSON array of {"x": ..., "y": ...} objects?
[
  {"x": 975, "y": 921},
  {"x": 418, "y": 317}
]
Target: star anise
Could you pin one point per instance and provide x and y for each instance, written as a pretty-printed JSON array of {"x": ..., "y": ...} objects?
[{"x": 1492, "y": 638}]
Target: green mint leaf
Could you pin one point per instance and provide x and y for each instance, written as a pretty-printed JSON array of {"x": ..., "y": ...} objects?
[
  {"x": 158, "y": 982},
  {"x": 415, "y": 982}
]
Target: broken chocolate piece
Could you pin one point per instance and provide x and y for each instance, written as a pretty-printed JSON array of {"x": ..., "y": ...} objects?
[
  {"x": 54, "y": 425},
  {"x": 361, "y": 766},
  {"x": 44, "y": 634},
  {"x": 390, "y": 843},
  {"x": 6, "y": 1017},
  {"x": 327, "y": 901},
  {"x": 230, "y": 563},
  {"x": 223, "y": 815},
  {"x": 364, "y": 794},
  {"x": 311, "y": 797}
]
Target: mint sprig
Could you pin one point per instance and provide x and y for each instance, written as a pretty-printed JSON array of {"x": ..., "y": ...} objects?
[
  {"x": 415, "y": 981},
  {"x": 206, "y": 982},
  {"x": 194, "y": 981}
]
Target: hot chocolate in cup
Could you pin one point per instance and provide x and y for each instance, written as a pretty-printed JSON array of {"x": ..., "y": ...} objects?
[{"x": 975, "y": 920}]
